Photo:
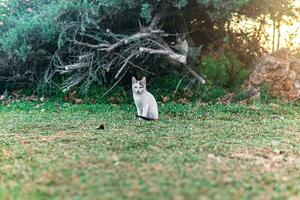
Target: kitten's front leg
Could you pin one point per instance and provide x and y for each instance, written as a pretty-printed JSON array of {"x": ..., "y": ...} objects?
[
  {"x": 145, "y": 111},
  {"x": 139, "y": 112}
]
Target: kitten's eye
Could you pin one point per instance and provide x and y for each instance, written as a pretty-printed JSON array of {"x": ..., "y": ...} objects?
[{"x": 135, "y": 87}]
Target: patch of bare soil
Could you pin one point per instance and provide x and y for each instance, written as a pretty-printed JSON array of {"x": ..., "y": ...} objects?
[{"x": 268, "y": 158}]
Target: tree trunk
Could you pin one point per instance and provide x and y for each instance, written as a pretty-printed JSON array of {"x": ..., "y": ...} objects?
[
  {"x": 274, "y": 33},
  {"x": 278, "y": 34}
]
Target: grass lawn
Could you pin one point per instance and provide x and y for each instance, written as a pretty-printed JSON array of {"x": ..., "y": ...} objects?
[{"x": 54, "y": 151}]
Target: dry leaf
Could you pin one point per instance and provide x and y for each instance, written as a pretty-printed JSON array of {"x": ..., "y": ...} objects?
[
  {"x": 31, "y": 98},
  {"x": 183, "y": 100},
  {"x": 101, "y": 127},
  {"x": 6, "y": 153},
  {"x": 165, "y": 99},
  {"x": 78, "y": 101}
]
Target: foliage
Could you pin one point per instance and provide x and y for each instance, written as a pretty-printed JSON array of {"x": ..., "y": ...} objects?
[
  {"x": 28, "y": 36},
  {"x": 222, "y": 10},
  {"x": 37, "y": 36},
  {"x": 265, "y": 94},
  {"x": 146, "y": 12},
  {"x": 224, "y": 70},
  {"x": 276, "y": 9}
]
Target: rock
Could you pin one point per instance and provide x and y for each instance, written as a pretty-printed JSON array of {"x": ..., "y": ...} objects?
[{"x": 281, "y": 71}]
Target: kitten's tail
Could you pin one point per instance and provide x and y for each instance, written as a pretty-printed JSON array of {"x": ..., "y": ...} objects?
[{"x": 145, "y": 118}]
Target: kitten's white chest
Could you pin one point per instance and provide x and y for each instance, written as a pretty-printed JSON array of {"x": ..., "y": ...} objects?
[{"x": 139, "y": 100}]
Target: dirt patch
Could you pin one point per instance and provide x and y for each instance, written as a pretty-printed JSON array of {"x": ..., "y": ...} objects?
[
  {"x": 268, "y": 158},
  {"x": 59, "y": 136}
]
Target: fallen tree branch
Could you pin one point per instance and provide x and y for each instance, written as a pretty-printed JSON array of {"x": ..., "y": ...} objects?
[
  {"x": 100, "y": 52},
  {"x": 171, "y": 54},
  {"x": 147, "y": 32},
  {"x": 132, "y": 38},
  {"x": 124, "y": 64},
  {"x": 75, "y": 66},
  {"x": 138, "y": 67},
  {"x": 93, "y": 46},
  {"x": 114, "y": 85},
  {"x": 155, "y": 21},
  {"x": 195, "y": 74},
  {"x": 86, "y": 56}
]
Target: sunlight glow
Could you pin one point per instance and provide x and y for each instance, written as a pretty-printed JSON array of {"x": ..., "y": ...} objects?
[
  {"x": 289, "y": 30},
  {"x": 290, "y": 36}
]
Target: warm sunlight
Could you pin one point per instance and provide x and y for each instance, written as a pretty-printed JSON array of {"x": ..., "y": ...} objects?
[
  {"x": 288, "y": 31},
  {"x": 290, "y": 36}
]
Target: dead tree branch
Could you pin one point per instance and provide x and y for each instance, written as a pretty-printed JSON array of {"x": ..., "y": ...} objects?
[
  {"x": 171, "y": 54},
  {"x": 195, "y": 74},
  {"x": 106, "y": 52}
]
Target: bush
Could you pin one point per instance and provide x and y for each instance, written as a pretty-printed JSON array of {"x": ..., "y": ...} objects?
[
  {"x": 224, "y": 71},
  {"x": 28, "y": 39}
]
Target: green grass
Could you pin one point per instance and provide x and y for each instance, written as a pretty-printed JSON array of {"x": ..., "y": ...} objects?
[{"x": 53, "y": 151}]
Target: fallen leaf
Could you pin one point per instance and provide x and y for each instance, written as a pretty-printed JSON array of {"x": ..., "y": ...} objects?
[
  {"x": 101, "y": 127},
  {"x": 31, "y": 98},
  {"x": 115, "y": 100},
  {"x": 6, "y": 153},
  {"x": 78, "y": 101},
  {"x": 165, "y": 99},
  {"x": 183, "y": 100}
]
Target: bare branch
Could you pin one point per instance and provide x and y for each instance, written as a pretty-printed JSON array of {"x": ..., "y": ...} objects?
[
  {"x": 103, "y": 52},
  {"x": 86, "y": 56},
  {"x": 75, "y": 66},
  {"x": 195, "y": 74},
  {"x": 93, "y": 46},
  {"x": 128, "y": 40},
  {"x": 171, "y": 54},
  {"x": 156, "y": 19},
  {"x": 124, "y": 65}
]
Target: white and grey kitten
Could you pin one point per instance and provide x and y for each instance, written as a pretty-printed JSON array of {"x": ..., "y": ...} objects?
[{"x": 145, "y": 102}]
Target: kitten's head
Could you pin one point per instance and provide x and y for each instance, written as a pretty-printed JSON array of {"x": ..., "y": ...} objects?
[{"x": 138, "y": 87}]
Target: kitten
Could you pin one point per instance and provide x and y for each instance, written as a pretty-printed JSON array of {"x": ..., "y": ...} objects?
[{"x": 145, "y": 102}]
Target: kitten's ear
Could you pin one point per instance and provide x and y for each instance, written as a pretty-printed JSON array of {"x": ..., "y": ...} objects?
[
  {"x": 144, "y": 80},
  {"x": 134, "y": 80}
]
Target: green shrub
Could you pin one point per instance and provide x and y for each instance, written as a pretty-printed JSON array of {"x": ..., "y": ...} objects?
[
  {"x": 224, "y": 71},
  {"x": 30, "y": 32}
]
